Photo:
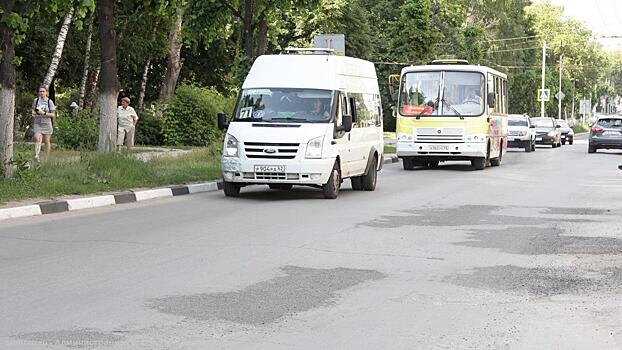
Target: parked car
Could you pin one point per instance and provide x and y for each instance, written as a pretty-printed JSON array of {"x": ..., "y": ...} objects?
[
  {"x": 547, "y": 132},
  {"x": 606, "y": 133},
  {"x": 521, "y": 134},
  {"x": 567, "y": 132}
]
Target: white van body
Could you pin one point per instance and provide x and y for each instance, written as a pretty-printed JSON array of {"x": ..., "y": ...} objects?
[{"x": 279, "y": 144}]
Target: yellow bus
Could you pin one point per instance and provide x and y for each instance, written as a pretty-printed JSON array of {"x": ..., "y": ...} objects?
[{"x": 450, "y": 110}]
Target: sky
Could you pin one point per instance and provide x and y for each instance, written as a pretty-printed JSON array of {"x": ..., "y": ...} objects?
[{"x": 603, "y": 17}]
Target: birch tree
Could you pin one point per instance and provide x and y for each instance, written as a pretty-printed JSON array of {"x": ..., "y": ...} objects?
[
  {"x": 174, "y": 55},
  {"x": 58, "y": 51}
]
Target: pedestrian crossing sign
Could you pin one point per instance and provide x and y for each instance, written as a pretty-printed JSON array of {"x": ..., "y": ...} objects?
[{"x": 544, "y": 95}]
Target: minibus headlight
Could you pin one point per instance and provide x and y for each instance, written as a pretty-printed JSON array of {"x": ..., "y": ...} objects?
[
  {"x": 231, "y": 146},
  {"x": 314, "y": 147}
]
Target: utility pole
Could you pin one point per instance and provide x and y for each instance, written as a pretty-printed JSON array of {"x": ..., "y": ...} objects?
[
  {"x": 543, "y": 76},
  {"x": 559, "y": 100}
]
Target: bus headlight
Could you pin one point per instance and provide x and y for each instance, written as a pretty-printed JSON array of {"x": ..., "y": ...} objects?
[
  {"x": 314, "y": 148},
  {"x": 476, "y": 138},
  {"x": 231, "y": 146},
  {"x": 402, "y": 136}
]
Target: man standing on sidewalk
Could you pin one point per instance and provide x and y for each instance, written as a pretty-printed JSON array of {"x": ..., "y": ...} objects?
[{"x": 126, "y": 121}]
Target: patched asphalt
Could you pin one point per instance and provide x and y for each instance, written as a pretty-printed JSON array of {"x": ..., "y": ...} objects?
[{"x": 301, "y": 289}]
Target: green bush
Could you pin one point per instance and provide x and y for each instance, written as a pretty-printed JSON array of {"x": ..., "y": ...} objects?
[
  {"x": 80, "y": 132},
  {"x": 149, "y": 130},
  {"x": 190, "y": 117}
]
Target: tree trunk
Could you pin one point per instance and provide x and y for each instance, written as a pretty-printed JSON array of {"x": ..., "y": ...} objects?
[
  {"x": 174, "y": 58},
  {"x": 143, "y": 86},
  {"x": 263, "y": 37},
  {"x": 90, "y": 97},
  {"x": 109, "y": 88},
  {"x": 58, "y": 51},
  {"x": 87, "y": 58},
  {"x": 248, "y": 28},
  {"x": 7, "y": 100}
]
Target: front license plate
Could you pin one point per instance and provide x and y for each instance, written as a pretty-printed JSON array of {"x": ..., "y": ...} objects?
[
  {"x": 439, "y": 148},
  {"x": 538, "y": 139},
  {"x": 269, "y": 168},
  {"x": 517, "y": 140}
]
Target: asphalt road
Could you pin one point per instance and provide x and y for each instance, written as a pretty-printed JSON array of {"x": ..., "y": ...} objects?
[{"x": 524, "y": 256}]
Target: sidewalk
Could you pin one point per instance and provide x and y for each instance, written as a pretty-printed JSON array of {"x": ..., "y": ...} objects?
[{"x": 104, "y": 200}]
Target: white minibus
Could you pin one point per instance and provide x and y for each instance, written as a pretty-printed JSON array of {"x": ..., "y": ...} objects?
[{"x": 307, "y": 117}]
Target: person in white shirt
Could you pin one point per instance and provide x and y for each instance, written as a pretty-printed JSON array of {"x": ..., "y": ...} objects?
[
  {"x": 126, "y": 121},
  {"x": 473, "y": 98}
]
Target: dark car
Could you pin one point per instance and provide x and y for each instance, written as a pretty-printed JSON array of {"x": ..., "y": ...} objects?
[
  {"x": 547, "y": 132},
  {"x": 567, "y": 132},
  {"x": 606, "y": 133}
]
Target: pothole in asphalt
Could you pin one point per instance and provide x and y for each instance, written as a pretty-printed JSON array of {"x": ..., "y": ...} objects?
[
  {"x": 539, "y": 281},
  {"x": 458, "y": 216},
  {"x": 301, "y": 289},
  {"x": 533, "y": 240},
  {"x": 73, "y": 338}
]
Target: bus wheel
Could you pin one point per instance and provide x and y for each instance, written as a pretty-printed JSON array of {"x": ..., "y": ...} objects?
[
  {"x": 497, "y": 161},
  {"x": 408, "y": 163},
  {"x": 478, "y": 163},
  {"x": 331, "y": 188}
]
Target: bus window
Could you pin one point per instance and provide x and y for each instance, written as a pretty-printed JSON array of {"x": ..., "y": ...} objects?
[
  {"x": 463, "y": 94},
  {"x": 417, "y": 91}
]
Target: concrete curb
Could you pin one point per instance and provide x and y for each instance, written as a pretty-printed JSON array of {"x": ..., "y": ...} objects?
[{"x": 53, "y": 207}]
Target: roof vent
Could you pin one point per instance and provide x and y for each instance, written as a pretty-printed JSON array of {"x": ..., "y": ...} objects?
[
  {"x": 308, "y": 50},
  {"x": 450, "y": 61}
]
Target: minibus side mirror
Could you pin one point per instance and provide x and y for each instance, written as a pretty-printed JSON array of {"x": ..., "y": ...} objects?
[
  {"x": 532, "y": 126},
  {"x": 491, "y": 99},
  {"x": 222, "y": 121},
  {"x": 347, "y": 123}
]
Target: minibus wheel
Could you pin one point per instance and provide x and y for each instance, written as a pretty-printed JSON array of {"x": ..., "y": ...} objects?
[
  {"x": 232, "y": 189},
  {"x": 369, "y": 180},
  {"x": 331, "y": 188},
  {"x": 408, "y": 163}
]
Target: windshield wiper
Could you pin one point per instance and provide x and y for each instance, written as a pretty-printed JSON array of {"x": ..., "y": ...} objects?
[
  {"x": 434, "y": 107},
  {"x": 452, "y": 108}
]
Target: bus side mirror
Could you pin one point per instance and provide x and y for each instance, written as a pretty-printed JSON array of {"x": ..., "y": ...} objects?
[
  {"x": 491, "y": 99},
  {"x": 222, "y": 121}
]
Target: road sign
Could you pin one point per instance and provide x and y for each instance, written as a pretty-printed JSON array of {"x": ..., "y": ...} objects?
[
  {"x": 585, "y": 106},
  {"x": 560, "y": 95},
  {"x": 336, "y": 42},
  {"x": 544, "y": 95}
]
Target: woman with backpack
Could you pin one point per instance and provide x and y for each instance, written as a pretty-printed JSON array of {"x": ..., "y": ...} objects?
[{"x": 43, "y": 110}]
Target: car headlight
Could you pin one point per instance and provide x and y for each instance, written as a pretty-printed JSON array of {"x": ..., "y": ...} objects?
[
  {"x": 231, "y": 146},
  {"x": 314, "y": 147},
  {"x": 522, "y": 133},
  {"x": 476, "y": 138},
  {"x": 551, "y": 133}
]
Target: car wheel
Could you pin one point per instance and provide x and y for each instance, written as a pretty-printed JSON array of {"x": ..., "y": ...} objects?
[
  {"x": 571, "y": 141},
  {"x": 564, "y": 142},
  {"x": 528, "y": 146},
  {"x": 357, "y": 183},
  {"x": 369, "y": 180},
  {"x": 332, "y": 187},
  {"x": 232, "y": 189},
  {"x": 591, "y": 149},
  {"x": 554, "y": 145}
]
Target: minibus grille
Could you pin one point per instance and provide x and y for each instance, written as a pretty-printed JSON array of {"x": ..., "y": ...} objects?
[
  {"x": 439, "y": 135},
  {"x": 261, "y": 150}
]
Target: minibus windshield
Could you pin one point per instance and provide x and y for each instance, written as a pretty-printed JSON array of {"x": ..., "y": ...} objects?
[
  {"x": 462, "y": 94},
  {"x": 284, "y": 105}
]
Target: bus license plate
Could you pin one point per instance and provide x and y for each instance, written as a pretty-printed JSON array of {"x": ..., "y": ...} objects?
[
  {"x": 269, "y": 168},
  {"x": 439, "y": 148}
]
